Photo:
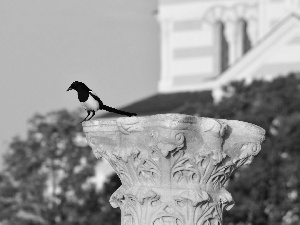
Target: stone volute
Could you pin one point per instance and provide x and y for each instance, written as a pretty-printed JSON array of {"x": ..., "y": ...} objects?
[{"x": 173, "y": 167}]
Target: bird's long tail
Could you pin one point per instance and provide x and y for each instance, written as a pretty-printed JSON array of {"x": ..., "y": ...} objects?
[{"x": 110, "y": 109}]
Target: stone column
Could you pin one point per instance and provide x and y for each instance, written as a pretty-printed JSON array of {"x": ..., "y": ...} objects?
[
  {"x": 221, "y": 55},
  {"x": 230, "y": 33},
  {"x": 166, "y": 29},
  {"x": 253, "y": 31},
  {"x": 173, "y": 167}
]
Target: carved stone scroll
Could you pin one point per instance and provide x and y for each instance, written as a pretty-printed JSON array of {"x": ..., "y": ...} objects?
[{"x": 173, "y": 167}]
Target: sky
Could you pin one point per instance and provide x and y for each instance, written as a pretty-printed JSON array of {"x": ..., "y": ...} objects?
[{"x": 45, "y": 45}]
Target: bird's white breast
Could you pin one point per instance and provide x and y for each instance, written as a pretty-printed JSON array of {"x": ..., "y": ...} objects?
[{"x": 90, "y": 104}]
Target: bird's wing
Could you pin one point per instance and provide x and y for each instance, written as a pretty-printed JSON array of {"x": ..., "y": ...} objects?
[
  {"x": 108, "y": 108},
  {"x": 96, "y": 98}
]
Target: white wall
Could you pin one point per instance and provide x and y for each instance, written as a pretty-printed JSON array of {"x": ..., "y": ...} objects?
[{"x": 188, "y": 42}]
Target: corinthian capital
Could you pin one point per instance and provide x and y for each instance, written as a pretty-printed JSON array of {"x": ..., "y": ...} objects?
[{"x": 173, "y": 167}]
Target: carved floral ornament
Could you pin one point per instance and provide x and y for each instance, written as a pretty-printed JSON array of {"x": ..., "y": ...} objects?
[{"x": 173, "y": 167}]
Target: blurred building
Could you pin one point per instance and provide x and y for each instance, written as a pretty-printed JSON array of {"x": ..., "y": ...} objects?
[{"x": 208, "y": 43}]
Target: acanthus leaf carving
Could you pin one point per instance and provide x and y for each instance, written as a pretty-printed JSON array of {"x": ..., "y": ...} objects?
[
  {"x": 148, "y": 172},
  {"x": 144, "y": 193},
  {"x": 247, "y": 153},
  {"x": 220, "y": 174},
  {"x": 98, "y": 148},
  {"x": 194, "y": 196},
  {"x": 128, "y": 125},
  {"x": 183, "y": 170},
  {"x": 116, "y": 199},
  {"x": 225, "y": 199},
  {"x": 124, "y": 153},
  {"x": 203, "y": 163},
  {"x": 213, "y": 132},
  {"x": 208, "y": 214},
  {"x": 122, "y": 171},
  {"x": 98, "y": 152},
  {"x": 173, "y": 171},
  {"x": 167, "y": 141}
]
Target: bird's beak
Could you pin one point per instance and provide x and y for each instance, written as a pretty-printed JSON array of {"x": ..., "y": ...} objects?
[{"x": 69, "y": 89}]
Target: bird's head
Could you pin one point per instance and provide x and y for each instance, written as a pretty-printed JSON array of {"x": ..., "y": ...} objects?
[
  {"x": 76, "y": 85},
  {"x": 73, "y": 86}
]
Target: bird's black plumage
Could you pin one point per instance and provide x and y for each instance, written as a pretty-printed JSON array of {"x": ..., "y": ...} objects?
[
  {"x": 82, "y": 90},
  {"x": 91, "y": 102}
]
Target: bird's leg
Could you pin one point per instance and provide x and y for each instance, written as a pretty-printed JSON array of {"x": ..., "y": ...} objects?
[
  {"x": 89, "y": 112},
  {"x": 93, "y": 114}
]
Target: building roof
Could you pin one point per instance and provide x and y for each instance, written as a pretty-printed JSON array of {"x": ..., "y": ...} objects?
[
  {"x": 184, "y": 102},
  {"x": 284, "y": 38}
]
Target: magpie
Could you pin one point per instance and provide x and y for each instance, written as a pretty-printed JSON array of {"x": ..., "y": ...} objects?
[{"x": 91, "y": 102}]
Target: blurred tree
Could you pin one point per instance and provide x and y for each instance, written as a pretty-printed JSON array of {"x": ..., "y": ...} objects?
[
  {"x": 47, "y": 176},
  {"x": 268, "y": 191},
  {"x": 110, "y": 216},
  {"x": 46, "y": 180}
]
